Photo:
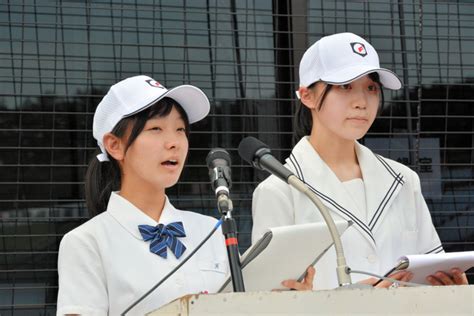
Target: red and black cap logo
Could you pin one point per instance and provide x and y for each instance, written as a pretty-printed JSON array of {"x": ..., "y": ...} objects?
[
  {"x": 155, "y": 84},
  {"x": 359, "y": 49}
]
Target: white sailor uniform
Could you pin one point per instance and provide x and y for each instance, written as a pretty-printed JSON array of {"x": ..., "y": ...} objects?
[{"x": 396, "y": 221}]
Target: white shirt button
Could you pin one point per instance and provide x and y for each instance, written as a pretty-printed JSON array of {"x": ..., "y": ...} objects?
[{"x": 372, "y": 258}]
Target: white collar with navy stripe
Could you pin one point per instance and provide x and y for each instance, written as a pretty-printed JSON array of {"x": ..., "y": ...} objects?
[
  {"x": 129, "y": 216},
  {"x": 382, "y": 183}
]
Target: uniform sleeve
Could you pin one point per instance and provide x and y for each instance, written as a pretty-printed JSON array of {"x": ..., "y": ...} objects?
[
  {"x": 82, "y": 286},
  {"x": 428, "y": 238},
  {"x": 272, "y": 206}
]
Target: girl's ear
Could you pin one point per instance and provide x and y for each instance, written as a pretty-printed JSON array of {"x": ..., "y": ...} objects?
[
  {"x": 115, "y": 146},
  {"x": 307, "y": 97}
]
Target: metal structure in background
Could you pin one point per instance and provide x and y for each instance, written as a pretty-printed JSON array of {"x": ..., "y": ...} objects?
[{"x": 58, "y": 57}]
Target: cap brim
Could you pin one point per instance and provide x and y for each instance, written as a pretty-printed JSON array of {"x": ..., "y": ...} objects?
[
  {"x": 194, "y": 102},
  {"x": 388, "y": 79}
]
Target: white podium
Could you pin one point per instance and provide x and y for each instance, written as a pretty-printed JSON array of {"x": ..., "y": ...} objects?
[{"x": 429, "y": 300}]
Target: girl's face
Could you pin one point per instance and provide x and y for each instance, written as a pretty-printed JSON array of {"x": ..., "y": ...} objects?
[
  {"x": 156, "y": 157},
  {"x": 348, "y": 111}
]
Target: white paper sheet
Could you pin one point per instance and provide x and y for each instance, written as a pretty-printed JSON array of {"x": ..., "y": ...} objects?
[
  {"x": 424, "y": 265},
  {"x": 291, "y": 250}
]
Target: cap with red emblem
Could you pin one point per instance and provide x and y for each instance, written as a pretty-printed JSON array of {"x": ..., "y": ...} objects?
[
  {"x": 135, "y": 94},
  {"x": 342, "y": 58}
]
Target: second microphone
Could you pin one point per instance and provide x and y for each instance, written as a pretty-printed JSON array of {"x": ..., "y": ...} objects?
[{"x": 218, "y": 161}]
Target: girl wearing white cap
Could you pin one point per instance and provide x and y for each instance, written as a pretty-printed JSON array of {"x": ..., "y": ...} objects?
[
  {"x": 138, "y": 237},
  {"x": 341, "y": 93}
]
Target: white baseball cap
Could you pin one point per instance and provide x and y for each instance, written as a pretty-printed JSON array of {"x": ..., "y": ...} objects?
[
  {"x": 341, "y": 58},
  {"x": 135, "y": 94}
]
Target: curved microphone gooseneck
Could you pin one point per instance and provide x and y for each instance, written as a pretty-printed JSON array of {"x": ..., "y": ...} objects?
[{"x": 259, "y": 155}]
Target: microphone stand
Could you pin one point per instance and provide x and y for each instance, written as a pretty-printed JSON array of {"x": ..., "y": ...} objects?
[
  {"x": 229, "y": 229},
  {"x": 342, "y": 269}
]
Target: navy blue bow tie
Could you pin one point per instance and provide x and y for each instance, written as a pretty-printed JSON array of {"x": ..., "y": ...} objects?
[{"x": 162, "y": 236}]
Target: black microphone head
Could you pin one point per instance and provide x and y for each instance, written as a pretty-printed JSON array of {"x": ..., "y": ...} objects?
[
  {"x": 218, "y": 161},
  {"x": 218, "y": 155},
  {"x": 248, "y": 147},
  {"x": 259, "y": 155}
]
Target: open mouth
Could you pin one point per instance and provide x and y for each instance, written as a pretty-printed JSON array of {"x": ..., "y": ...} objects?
[{"x": 170, "y": 162}]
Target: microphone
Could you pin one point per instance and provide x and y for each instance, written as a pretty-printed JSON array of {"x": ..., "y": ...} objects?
[
  {"x": 259, "y": 155},
  {"x": 218, "y": 161}
]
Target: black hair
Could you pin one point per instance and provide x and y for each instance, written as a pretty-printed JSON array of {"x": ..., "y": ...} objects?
[
  {"x": 303, "y": 121},
  {"x": 104, "y": 177}
]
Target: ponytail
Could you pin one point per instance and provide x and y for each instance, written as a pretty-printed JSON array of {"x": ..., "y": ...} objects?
[
  {"x": 303, "y": 122},
  {"x": 101, "y": 179}
]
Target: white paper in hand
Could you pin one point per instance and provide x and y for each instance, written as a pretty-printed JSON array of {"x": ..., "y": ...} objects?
[
  {"x": 284, "y": 253},
  {"x": 424, "y": 265}
]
